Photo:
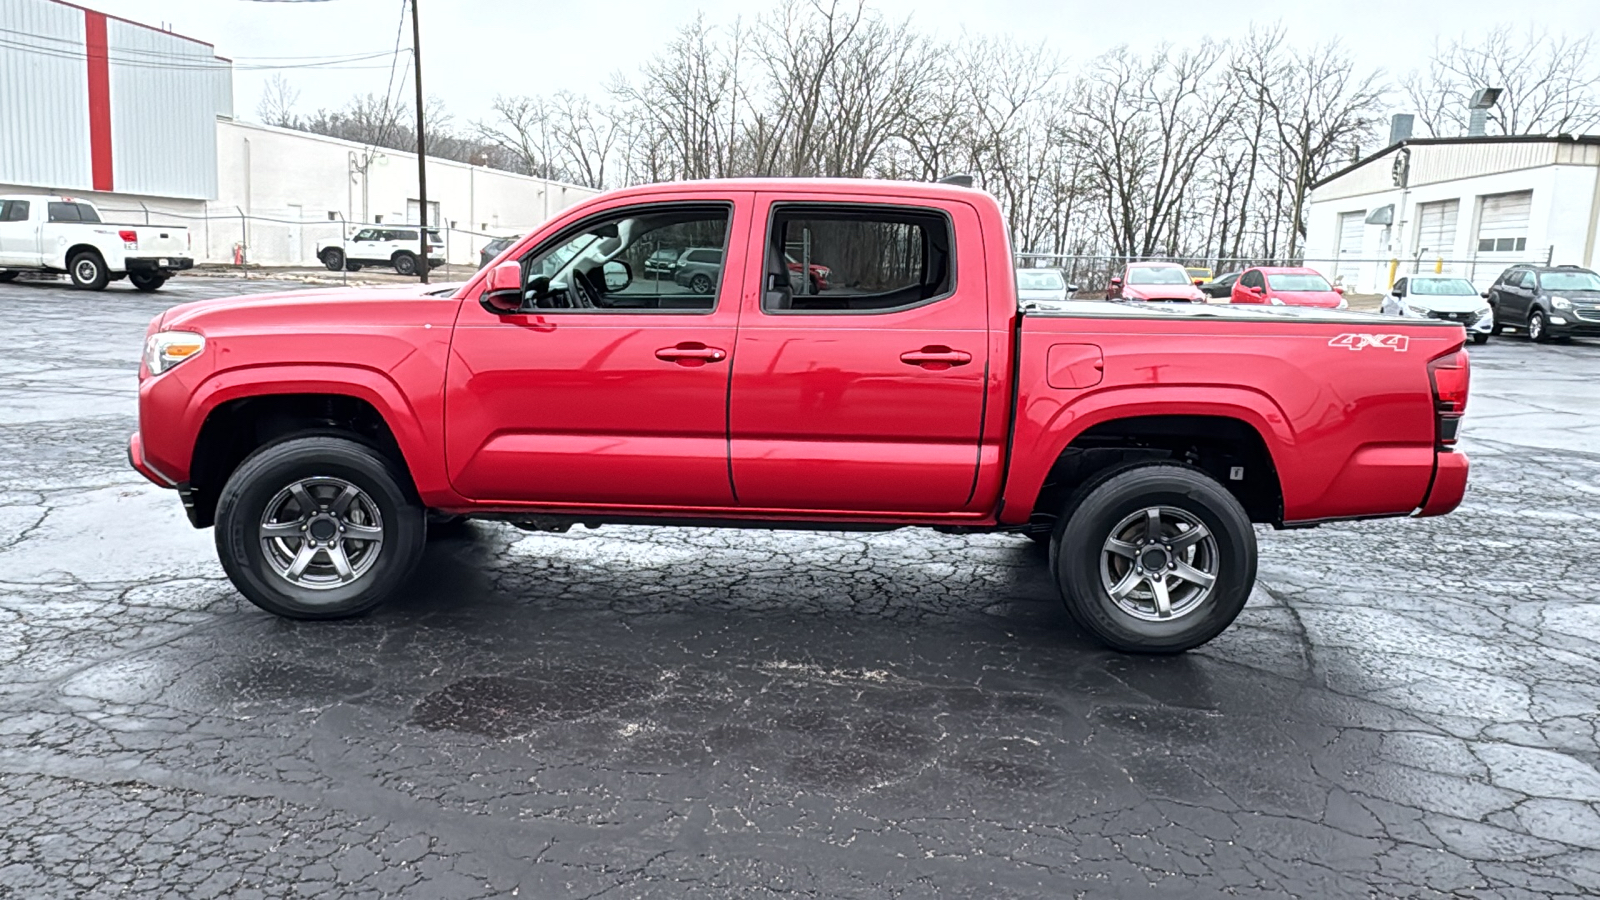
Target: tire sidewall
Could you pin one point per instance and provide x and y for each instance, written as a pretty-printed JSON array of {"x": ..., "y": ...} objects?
[
  {"x": 1538, "y": 328},
  {"x": 261, "y": 476},
  {"x": 405, "y": 264},
  {"x": 333, "y": 259},
  {"x": 1076, "y": 553}
]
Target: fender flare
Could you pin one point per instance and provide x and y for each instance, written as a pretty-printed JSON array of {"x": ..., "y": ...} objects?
[
  {"x": 1031, "y": 465},
  {"x": 344, "y": 379}
]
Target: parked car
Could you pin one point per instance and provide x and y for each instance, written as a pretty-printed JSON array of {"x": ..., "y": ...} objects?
[
  {"x": 1287, "y": 286},
  {"x": 46, "y": 233},
  {"x": 699, "y": 268},
  {"x": 1200, "y": 275},
  {"x": 489, "y": 251},
  {"x": 819, "y": 273},
  {"x": 1042, "y": 286},
  {"x": 1140, "y": 442},
  {"x": 1552, "y": 303},
  {"x": 1154, "y": 281},
  {"x": 663, "y": 262},
  {"x": 1441, "y": 297},
  {"x": 397, "y": 247},
  {"x": 1221, "y": 287}
]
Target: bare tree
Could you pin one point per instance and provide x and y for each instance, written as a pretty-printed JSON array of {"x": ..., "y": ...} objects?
[
  {"x": 277, "y": 104},
  {"x": 1551, "y": 83}
]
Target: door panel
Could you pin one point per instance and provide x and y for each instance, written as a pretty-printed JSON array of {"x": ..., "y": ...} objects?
[
  {"x": 575, "y": 406},
  {"x": 863, "y": 410}
]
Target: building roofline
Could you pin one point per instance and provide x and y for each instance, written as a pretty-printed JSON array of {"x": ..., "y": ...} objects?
[
  {"x": 138, "y": 24},
  {"x": 1483, "y": 139}
]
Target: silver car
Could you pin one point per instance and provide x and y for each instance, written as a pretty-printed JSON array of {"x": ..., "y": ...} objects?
[{"x": 1042, "y": 286}]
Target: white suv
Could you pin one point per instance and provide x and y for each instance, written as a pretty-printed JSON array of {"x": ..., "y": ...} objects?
[{"x": 395, "y": 247}]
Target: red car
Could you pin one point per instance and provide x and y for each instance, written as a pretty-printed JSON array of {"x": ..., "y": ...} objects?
[
  {"x": 819, "y": 274},
  {"x": 319, "y": 430},
  {"x": 1284, "y": 286},
  {"x": 1154, "y": 281}
]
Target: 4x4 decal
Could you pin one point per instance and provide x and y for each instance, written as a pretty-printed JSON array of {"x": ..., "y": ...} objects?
[{"x": 1396, "y": 342}]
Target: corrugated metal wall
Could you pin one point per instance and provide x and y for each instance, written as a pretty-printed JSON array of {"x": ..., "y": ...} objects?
[
  {"x": 44, "y": 89},
  {"x": 163, "y": 113},
  {"x": 165, "y": 92}
]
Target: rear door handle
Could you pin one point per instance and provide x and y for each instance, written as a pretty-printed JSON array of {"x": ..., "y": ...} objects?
[
  {"x": 691, "y": 353},
  {"x": 936, "y": 356}
]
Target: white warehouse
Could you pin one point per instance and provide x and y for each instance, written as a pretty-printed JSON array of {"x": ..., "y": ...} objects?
[
  {"x": 1468, "y": 206},
  {"x": 140, "y": 121}
]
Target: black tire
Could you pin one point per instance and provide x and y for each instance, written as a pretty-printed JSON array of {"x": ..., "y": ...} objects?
[
  {"x": 8, "y": 277},
  {"x": 405, "y": 263},
  {"x": 1497, "y": 329},
  {"x": 816, "y": 285},
  {"x": 333, "y": 258},
  {"x": 88, "y": 271},
  {"x": 700, "y": 283},
  {"x": 1480, "y": 338},
  {"x": 352, "y": 266},
  {"x": 147, "y": 283},
  {"x": 1089, "y": 521},
  {"x": 268, "y": 472},
  {"x": 1538, "y": 327}
]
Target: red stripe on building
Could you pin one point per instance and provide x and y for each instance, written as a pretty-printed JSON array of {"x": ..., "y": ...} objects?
[{"x": 94, "y": 30}]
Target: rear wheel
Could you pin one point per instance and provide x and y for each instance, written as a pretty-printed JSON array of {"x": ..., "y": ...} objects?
[
  {"x": 147, "y": 282},
  {"x": 333, "y": 258},
  {"x": 318, "y": 528},
  {"x": 1480, "y": 338},
  {"x": 7, "y": 277},
  {"x": 700, "y": 284},
  {"x": 405, "y": 264},
  {"x": 88, "y": 271},
  {"x": 1155, "y": 559},
  {"x": 1538, "y": 327}
]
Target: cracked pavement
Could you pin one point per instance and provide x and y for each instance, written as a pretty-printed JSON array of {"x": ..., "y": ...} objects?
[{"x": 1405, "y": 709}]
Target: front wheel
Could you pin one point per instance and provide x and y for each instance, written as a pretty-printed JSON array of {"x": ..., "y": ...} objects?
[
  {"x": 8, "y": 277},
  {"x": 1538, "y": 328},
  {"x": 700, "y": 284},
  {"x": 333, "y": 258},
  {"x": 147, "y": 282},
  {"x": 405, "y": 264},
  {"x": 88, "y": 271},
  {"x": 1155, "y": 559},
  {"x": 318, "y": 528}
]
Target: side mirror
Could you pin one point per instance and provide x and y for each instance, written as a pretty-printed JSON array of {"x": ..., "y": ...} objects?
[
  {"x": 1072, "y": 289},
  {"x": 1199, "y": 281},
  {"x": 502, "y": 295},
  {"x": 618, "y": 275},
  {"x": 1485, "y": 295},
  {"x": 1256, "y": 290},
  {"x": 1115, "y": 281},
  {"x": 1339, "y": 289}
]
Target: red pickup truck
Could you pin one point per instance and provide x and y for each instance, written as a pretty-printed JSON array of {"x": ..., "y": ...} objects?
[{"x": 320, "y": 430}]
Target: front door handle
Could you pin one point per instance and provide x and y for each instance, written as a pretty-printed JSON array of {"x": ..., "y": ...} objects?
[
  {"x": 935, "y": 357},
  {"x": 691, "y": 353}
]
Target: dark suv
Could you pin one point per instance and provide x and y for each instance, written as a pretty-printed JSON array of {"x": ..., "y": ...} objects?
[{"x": 1549, "y": 302}]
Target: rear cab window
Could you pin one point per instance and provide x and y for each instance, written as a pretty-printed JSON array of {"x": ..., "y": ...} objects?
[
  {"x": 64, "y": 212},
  {"x": 877, "y": 258}
]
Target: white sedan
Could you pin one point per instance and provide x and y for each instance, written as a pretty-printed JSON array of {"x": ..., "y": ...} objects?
[
  {"x": 1442, "y": 297},
  {"x": 1042, "y": 285}
]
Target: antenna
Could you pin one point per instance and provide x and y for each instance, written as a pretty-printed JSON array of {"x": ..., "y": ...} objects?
[{"x": 957, "y": 180}]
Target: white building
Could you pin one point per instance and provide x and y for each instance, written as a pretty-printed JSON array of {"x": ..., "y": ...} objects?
[
  {"x": 1468, "y": 206},
  {"x": 140, "y": 121}
]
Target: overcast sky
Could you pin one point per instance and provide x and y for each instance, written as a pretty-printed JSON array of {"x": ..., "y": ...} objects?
[{"x": 473, "y": 49}]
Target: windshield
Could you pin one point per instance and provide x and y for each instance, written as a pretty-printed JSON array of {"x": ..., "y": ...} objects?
[
  {"x": 1040, "y": 281},
  {"x": 1570, "y": 281},
  {"x": 1299, "y": 282},
  {"x": 1443, "y": 287},
  {"x": 1157, "y": 275}
]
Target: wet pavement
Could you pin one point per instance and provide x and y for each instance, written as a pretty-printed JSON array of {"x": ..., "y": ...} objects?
[{"x": 1406, "y": 708}]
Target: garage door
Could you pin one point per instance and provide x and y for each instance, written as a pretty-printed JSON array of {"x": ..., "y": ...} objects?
[
  {"x": 1352, "y": 235},
  {"x": 1436, "y": 228},
  {"x": 1503, "y": 223}
]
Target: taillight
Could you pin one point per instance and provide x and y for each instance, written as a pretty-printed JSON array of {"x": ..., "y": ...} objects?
[
  {"x": 1451, "y": 375},
  {"x": 130, "y": 238}
]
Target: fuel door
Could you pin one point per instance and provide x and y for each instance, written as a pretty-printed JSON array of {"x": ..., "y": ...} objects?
[{"x": 1074, "y": 366}]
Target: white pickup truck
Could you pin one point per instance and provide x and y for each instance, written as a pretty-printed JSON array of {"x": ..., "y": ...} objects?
[{"x": 43, "y": 233}]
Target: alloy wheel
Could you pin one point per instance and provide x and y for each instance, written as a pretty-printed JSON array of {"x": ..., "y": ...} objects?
[
  {"x": 321, "y": 533},
  {"x": 1159, "y": 564}
]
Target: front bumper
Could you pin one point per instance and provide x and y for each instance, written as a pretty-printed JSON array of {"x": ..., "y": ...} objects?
[
  {"x": 137, "y": 461},
  {"x": 151, "y": 264},
  {"x": 1449, "y": 483},
  {"x": 1579, "y": 322}
]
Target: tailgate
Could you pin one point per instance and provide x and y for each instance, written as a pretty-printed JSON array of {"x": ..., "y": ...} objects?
[{"x": 162, "y": 240}]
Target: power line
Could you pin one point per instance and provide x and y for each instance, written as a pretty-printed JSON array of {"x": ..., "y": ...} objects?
[
  {"x": 77, "y": 43},
  {"x": 198, "y": 63}
]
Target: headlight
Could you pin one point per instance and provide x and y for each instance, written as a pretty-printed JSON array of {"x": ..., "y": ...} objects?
[
  {"x": 1560, "y": 303},
  {"x": 168, "y": 348},
  {"x": 1274, "y": 301},
  {"x": 1343, "y": 303},
  {"x": 1418, "y": 311},
  {"x": 1485, "y": 312}
]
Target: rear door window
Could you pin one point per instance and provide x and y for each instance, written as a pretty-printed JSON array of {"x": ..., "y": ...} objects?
[{"x": 14, "y": 211}]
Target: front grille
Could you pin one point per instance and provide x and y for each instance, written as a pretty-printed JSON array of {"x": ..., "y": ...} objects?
[
  {"x": 1465, "y": 318},
  {"x": 1588, "y": 314}
]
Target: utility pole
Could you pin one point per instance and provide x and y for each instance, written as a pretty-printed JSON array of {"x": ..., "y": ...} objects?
[{"x": 422, "y": 142}]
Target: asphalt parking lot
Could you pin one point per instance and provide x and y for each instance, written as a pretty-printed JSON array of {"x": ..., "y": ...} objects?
[{"x": 1406, "y": 709}]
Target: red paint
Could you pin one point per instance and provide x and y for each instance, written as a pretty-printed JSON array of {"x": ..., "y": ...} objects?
[
  {"x": 1124, "y": 286},
  {"x": 1331, "y": 298},
  {"x": 94, "y": 30},
  {"x": 740, "y": 414}
]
